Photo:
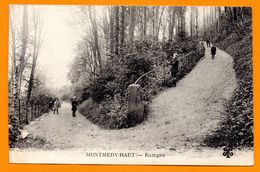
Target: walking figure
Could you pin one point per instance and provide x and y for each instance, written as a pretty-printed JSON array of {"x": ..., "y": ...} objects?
[
  {"x": 56, "y": 106},
  {"x": 74, "y": 104},
  {"x": 208, "y": 43},
  {"x": 213, "y": 51},
  {"x": 174, "y": 68}
]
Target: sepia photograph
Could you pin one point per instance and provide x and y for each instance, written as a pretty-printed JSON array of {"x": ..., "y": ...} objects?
[{"x": 136, "y": 85}]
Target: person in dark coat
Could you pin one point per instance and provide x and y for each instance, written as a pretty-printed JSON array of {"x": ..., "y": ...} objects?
[
  {"x": 174, "y": 68},
  {"x": 74, "y": 104},
  {"x": 51, "y": 105},
  {"x": 208, "y": 43},
  {"x": 213, "y": 51}
]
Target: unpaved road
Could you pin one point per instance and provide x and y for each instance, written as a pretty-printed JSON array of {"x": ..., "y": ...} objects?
[{"x": 180, "y": 118}]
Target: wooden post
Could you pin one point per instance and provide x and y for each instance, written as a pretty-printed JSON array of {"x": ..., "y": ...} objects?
[{"x": 135, "y": 103}]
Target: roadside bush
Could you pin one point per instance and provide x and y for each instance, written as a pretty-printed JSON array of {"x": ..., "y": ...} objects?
[
  {"x": 40, "y": 96},
  {"x": 237, "y": 129},
  {"x": 187, "y": 63},
  {"x": 107, "y": 106},
  {"x": 14, "y": 130}
]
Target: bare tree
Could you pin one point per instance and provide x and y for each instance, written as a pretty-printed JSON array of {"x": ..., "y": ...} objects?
[
  {"x": 96, "y": 51},
  {"x": 116, "y": 29},
  {"x": 159, "y": 21},
  {"x": 21, "y": 63},
  {"x": 197, "y": 22},
  {"x": 37, "y": 43},
  {"x": 122, "y": 30},
  {"x": 191, "y": 20},
  {"x": 13, "y": 48},
  {"x": 144, "y": 21},
  {"x": 132, "y": 24},
  {"x": 112, "y": 43},
  {"x": 171, "y": 16}
]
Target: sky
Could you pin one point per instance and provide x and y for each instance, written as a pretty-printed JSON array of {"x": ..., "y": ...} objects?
[{"x": 59, "y": 43}]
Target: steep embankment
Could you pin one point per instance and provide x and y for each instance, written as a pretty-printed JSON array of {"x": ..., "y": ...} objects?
[{"x": 237, "y": 130}]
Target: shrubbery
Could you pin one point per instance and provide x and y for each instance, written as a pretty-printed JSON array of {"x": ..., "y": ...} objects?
[
  {"x": 40, "y": 97},
  {"x": 107, "y": 106},
  {"x": 237, "y": 129},
  {"x": 14, "y": 130}
]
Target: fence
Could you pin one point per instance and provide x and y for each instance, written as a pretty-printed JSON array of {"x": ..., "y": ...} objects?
[{"x": 30, "y": 111}]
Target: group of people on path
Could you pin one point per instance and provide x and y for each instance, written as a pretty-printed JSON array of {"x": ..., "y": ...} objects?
[{"x": 55, "y": 104}]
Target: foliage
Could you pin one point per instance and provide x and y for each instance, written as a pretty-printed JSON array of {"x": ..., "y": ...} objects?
[
  {"x": 237, "y": 129},
  {"x": 14, "y": 129},
  {"x": 107, "y": 106},
  {"x": 40, "y": 96}
]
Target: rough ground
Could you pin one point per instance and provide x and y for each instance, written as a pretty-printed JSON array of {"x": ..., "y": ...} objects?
[{"x": 180, "y": 117}]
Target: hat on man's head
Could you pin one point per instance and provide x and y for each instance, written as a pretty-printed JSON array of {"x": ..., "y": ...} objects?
[{"x": 74, "y": 97}]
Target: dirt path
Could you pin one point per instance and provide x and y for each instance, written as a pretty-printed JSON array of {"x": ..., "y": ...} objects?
[{"x": 181, "y": 116}]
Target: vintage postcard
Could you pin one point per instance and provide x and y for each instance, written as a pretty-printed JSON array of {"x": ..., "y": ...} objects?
[{"x": 152, "y": 85}]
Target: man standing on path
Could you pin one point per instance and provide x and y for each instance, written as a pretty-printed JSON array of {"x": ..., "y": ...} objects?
[
  {"x": 74, "y": 104},
  {"x": 208, "y": 43},
  {"x": 174, "y": 68},
  {"x": 213, "y": 51}
]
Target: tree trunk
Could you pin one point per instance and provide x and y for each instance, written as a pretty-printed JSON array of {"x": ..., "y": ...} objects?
[
  {"x": 145, "y": 22},
  {"x": 172, "y": 22},
  {"x": 197, "y": 22},
  {"x": 24, "y": 46},
  {"x": 156, "y": 21},
  {"x": 112, "y": 31},
  {"x": 13, "y": 56},
  {"x": 122, "y": 30},
  {"x": 92, "y": 16},
  {"x": 37, "y": 41},
  {"x": 191, "y": 21},
  {"x": 204, "y": 22},
  {"x": 117, "y": 29},
  {"x": 132, "y": 24},
  {"x": 20, "y": 66},
  {"x": 159, "y": 23}
]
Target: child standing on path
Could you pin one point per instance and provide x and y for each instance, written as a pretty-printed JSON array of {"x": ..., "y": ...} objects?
[
  {"x": 174, "y": 68},
  {"x": 56, "y": 106},
  {"x": 74, "y": 104}
]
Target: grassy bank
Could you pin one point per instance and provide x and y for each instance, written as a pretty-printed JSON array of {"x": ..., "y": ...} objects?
[
  {"x": 237, "y": 129},
  {"x": 107, "y": 106}
]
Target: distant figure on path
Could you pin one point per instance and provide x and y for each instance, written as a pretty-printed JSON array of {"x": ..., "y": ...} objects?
[
  {"x": 74, "y": 104},
  {"x": 56, "y": 106},
  {"x": 174, "y": 68},
  {"x": 208, "y": 43},
  {"x": 51, "y": 105},
  {"x": 213, "y": 51}
]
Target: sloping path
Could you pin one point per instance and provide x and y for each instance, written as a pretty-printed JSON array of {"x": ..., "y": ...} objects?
[{"x": 181, "y": 117}]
